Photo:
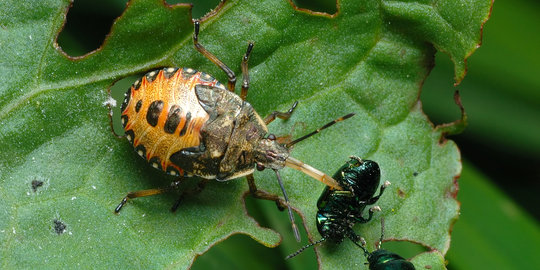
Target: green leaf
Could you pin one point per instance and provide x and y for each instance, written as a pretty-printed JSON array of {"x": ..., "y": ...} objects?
[
  {"x": 429, "y": 260},
  {"x": 492, "y": 236},
  {"x": 370, "y": 58}
]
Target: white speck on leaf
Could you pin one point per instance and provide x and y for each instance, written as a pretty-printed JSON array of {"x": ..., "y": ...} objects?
[{"x": 110, "y": 102}]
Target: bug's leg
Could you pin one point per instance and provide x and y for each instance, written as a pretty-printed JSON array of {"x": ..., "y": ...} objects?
[
  {"x": 245, "y": 73},
  {"x": 283, "y": 115},
  {"x": 376, "y": 198},
  {"x": 358, "y": 241},
  {"x": 259, "y": 194},
  {"x": 213, "y": 58},
  {"x": 372, "y": 210},
  {"x": 144, "y": 193},
  {"x": 200, "y": 186}
]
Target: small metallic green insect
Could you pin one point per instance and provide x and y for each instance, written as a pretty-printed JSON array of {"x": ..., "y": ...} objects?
[
  {"x": 382, "y": 259},
  {"x": 340, "y": 210}
]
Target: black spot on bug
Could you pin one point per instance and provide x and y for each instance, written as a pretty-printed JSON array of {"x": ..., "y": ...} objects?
[
  {"x": 36, "y": 184},
  {"x": 169, "y": 72},
  {"x": 138, "y": 106},
  {"x": 126, "y": 99},
  {"x": 124, "y": 119},
  {"x": 154, "y": 110},
  {"x": 151, "y": 76},
  {"x": 184, "y": 128},
  {"x": 137, "y": 84},
  {"x": 173, "y": 119},
  {"x": 188, "y": 73},
  {"x": 59, "y": 226},
  {"x": 141, "y": 151},
  {"x": 130, "y": 135},
  {"x": 155, "y": 162}
]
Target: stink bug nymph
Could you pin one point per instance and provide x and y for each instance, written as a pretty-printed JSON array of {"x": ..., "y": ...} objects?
[
  {"x": 339, "y": 210},
  {"x": 184, "y": 122}
]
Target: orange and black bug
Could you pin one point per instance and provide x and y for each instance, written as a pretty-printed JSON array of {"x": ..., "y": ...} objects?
[{"x": 185, "y": 122}]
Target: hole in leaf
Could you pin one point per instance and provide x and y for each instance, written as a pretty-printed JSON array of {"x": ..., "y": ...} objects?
[
  {"x": 200, "y": 8},
  {"x": 405, "y": 249},
  {"x": 231, "y": 254},
  {"x": 267, "y": 215},
  {"x": 117, "y": 92},
  {"x": 87, "y": 24},
  {"x": 326, "y": 6}
]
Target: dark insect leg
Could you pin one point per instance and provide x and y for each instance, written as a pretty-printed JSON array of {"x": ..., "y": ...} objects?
[
  {"x": 263, "y": 195},
  {"x": 144, "y": 193},
  {"x": 376, "y": 198},
  {"x": 198, "y": 189},
  {"x": 245, "y": 73},
  {"x": 213, "y": 58},
  {"x": 372, "y": 210},
  {"x": 282, "y": 115}
]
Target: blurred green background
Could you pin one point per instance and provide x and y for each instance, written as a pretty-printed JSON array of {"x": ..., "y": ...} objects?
[{"x": 498, "y": 227}]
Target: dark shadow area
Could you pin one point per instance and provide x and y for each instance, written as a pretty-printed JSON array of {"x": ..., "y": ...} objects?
[
  {"x": 326, "y": 6},
  {"x": 87, "y": 24}
]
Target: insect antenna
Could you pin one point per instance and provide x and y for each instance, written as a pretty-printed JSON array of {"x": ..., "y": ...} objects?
[
  {"x": 305, "y": 168},
  {"x": 319, "y": 129},
  {"x": 303, "y": 248},
  {"x": 291, "y": 216},
  {"x": 382, "y": 234}
]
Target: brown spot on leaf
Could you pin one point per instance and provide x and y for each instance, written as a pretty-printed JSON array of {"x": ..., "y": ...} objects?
[{"x": 401, "y": 193}]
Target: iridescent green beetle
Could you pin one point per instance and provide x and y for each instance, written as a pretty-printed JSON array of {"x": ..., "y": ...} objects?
[{"x": 340, "y": 210}]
